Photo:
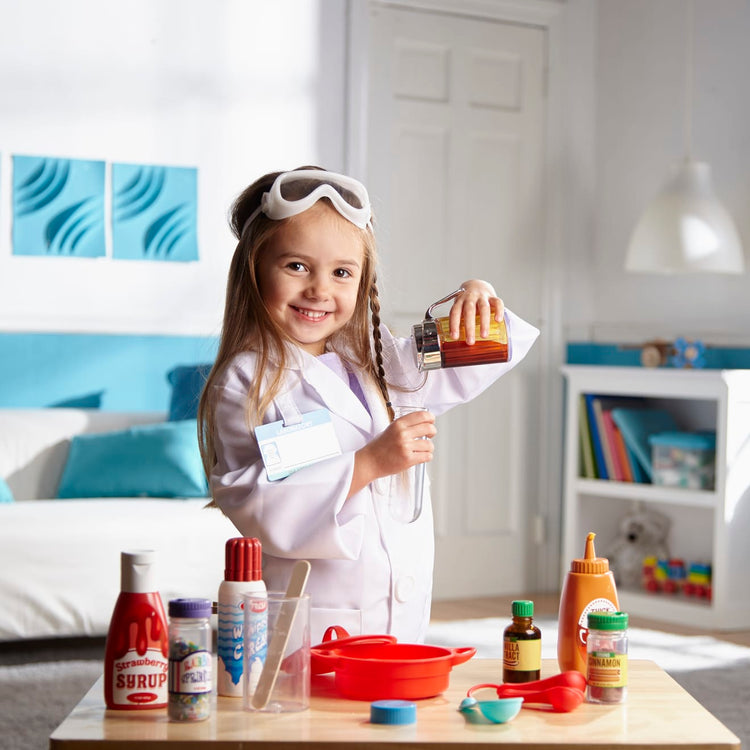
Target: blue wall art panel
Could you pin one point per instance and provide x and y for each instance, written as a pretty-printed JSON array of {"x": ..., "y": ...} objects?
[
  {"x": 154, "y": 212},
  {"x": 58, "y": 207}
]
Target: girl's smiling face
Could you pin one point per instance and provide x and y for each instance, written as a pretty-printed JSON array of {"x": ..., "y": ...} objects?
[{"x": 309, "y": 275}]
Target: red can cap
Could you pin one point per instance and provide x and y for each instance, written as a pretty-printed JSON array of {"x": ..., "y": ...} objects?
[{"x": 243, "y": 559}]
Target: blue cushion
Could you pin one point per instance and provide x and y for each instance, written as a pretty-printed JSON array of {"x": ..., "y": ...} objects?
[
  {"x": 6, "y": 496},
  {"x": 187, "y": 383},
  {"x": 88, "y": 401},
  {"x": 154, "y": 460}
]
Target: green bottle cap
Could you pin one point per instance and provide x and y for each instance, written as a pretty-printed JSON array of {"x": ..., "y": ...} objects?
[
  {"x": 607, "y": 620},
  {"x": 523, "y": 608}
]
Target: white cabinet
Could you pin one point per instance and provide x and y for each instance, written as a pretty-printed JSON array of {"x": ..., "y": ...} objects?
[{"x": 707, "y": 525}]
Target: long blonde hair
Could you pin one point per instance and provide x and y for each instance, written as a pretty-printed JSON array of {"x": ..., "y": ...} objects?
[{"x": 247, "y": 325}]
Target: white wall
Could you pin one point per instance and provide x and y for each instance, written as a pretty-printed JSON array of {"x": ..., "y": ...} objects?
[
  {"x": 639, "y": 130},
  {"x": 237, "y": 88},
  {"x": 233, "y": 87}
]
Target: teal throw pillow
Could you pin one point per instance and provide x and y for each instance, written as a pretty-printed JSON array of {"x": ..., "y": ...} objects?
[
  {"x": 187, "y": 382},
  {"x": 87, "y": 401},
  {"x": 153, "y": 460},
  {"x": 6, "y": 496}
]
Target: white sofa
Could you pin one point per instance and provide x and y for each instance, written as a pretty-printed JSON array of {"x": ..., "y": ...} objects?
[{"x": 60, "y": 559}]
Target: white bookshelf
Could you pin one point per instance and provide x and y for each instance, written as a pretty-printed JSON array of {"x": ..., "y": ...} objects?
[{"x": 707, "y": 525}]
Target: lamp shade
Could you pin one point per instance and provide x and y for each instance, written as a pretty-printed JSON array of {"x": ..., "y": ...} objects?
[{"x": 686, "y": 229}]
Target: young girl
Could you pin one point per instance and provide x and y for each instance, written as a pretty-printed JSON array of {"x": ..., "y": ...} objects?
[{"x": 303, "y": 353}]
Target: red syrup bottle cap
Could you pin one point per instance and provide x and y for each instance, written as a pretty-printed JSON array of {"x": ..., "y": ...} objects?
[{"x": 243, "y": 557}]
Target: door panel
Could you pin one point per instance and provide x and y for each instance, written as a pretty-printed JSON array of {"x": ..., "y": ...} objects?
[{"x": 455, "y": 152}]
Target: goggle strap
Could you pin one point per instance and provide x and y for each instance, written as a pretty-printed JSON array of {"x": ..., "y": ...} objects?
[{"x": 250, "y": 219}]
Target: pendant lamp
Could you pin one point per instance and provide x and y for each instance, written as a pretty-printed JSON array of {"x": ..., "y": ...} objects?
[{"x": 686, "y": 228}]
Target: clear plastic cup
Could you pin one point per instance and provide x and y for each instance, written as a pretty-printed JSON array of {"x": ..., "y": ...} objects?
[{"x": 277, "y": 681}]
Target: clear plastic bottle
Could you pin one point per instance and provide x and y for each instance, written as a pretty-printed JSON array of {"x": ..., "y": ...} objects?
[
  {"x": 190, "y": 664},
  {"x": 522, "y": 645},
  {"x": 607, "y": 662}
]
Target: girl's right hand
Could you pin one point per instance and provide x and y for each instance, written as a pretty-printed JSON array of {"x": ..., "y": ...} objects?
[{"x": 399, "y": 447}]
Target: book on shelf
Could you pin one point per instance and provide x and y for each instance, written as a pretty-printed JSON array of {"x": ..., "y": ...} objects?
[
  {"x": 639, "y": 475},
  {"x": 601, "y": 426},
  {"x": 613, "y": 458},
  {"x": 636, "y": 425},
  {"x": 596, "y": 438},
  {"x": 621, "y": 471},
  {"x": 588, "y": 466}
]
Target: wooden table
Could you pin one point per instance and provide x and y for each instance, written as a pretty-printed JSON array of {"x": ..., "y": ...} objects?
[{"x": 658, "y": 713}]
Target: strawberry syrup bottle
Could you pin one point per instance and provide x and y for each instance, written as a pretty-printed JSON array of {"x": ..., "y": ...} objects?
[{"x": 136, "y": 659}]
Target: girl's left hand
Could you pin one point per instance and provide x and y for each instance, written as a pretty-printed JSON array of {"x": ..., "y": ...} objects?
[{"x": 477, "y": 298}]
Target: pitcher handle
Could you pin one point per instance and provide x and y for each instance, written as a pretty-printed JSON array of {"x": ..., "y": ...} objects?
[{"x": 447, "y": 298}]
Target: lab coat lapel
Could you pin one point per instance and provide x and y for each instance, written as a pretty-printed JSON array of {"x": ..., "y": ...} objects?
[{"x": 335, "y": 394}]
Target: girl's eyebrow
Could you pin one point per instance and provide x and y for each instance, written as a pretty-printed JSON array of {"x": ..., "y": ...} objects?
[{"x": 304, "y": 257}]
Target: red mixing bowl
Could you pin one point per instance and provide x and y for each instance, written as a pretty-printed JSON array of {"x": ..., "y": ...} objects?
[{"x": 375, "y": 667}]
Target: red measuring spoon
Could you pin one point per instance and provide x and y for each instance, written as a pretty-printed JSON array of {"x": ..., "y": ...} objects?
[
  {"x": 571, "y": 678},
  {"x": 561, "y": 693},
  {"x": 559, "y": 698}
]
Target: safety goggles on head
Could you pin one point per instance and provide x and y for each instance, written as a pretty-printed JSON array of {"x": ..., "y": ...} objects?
[{"x": 295, "y": 192}]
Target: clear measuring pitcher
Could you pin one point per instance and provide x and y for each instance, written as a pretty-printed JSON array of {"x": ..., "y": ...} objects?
[
  {"x": 436, "y": 349},
  {"x": 407, "y": 492}
]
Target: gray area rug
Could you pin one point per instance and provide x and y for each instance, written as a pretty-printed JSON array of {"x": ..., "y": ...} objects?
[
  {"x": 35, "y": 698},
  {"x": 38, "y": 690}
]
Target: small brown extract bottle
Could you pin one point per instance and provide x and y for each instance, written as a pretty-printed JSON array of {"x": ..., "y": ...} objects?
[{"x": 522, "y": 645}]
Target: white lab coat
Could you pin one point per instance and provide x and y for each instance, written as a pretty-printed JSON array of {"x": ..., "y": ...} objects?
[{"x": 370, "y": 573}]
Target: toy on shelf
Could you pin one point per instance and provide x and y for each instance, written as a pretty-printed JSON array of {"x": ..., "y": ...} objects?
[
  {"x": 688, "y": 354},
  {"x": 642, "y": 534},
  {"x": 679, "y": 353},
  {"x": 673, "y": 576}
]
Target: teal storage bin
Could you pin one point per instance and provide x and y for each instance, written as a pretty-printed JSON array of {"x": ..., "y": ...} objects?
[{"x": 684, "y": 459}]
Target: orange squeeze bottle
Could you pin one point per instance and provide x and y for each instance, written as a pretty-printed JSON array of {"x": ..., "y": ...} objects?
[{"x": 589, "y": 587}]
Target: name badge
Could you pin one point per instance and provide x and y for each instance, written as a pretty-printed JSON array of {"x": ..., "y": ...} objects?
[{"x": 286, "y": 449}]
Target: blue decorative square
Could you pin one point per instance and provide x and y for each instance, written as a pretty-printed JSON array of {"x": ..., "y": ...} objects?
[
  {"x": 154, "y": 212},
  {"x": 58, "y": 207}
]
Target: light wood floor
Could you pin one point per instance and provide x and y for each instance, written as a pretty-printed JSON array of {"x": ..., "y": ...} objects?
[{"x": 546, "y": 605}]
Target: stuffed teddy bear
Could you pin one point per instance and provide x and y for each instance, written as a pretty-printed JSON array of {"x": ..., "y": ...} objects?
[{"x": 641, "y": 534}]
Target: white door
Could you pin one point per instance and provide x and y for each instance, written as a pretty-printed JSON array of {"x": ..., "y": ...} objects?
[{"x": 455, "y": 139}]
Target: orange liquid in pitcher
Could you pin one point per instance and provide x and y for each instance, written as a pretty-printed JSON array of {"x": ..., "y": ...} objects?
[{"x": 457, "y": 353}]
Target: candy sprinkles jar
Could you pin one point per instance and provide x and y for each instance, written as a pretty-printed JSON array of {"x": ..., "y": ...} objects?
[{"x": 190, "y": 667}]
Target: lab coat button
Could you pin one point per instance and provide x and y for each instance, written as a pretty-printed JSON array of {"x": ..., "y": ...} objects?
[{"x": 405, "y": 587}]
